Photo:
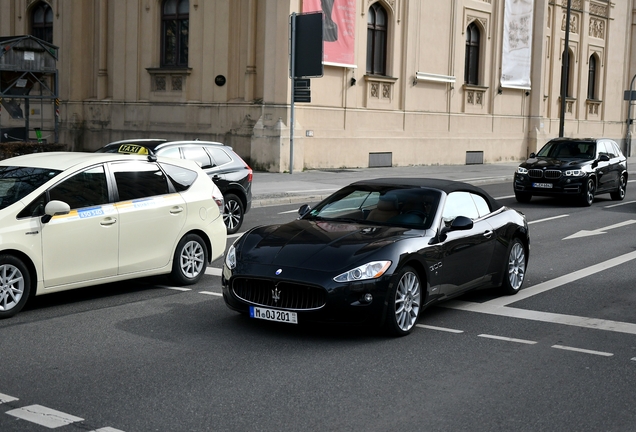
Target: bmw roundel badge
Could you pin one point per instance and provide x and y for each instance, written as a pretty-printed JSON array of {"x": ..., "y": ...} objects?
[{"x": 279, "y": 271}]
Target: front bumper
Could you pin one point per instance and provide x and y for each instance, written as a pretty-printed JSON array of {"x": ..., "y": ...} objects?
[
  {"x": 344, "y": 303},
  {"x": 565, "y": 185}
]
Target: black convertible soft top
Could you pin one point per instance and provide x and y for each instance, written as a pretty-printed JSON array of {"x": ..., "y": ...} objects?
[{"x": 446, "y": 186}]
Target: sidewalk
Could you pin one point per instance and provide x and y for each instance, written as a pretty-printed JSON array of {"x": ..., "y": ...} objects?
[{"x": 314, "y": 185}]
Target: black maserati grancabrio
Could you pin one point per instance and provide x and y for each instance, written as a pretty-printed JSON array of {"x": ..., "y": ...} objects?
[{"x": 378, "y": 252}]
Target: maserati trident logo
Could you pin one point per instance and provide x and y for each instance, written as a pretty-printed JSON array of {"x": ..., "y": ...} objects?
[{"x": 276, "y": 295}]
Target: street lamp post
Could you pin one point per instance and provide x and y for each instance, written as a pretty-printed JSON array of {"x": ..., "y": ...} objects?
[
  {"x": 628, "y": 140},
  {"x": 565, "y": 67}
]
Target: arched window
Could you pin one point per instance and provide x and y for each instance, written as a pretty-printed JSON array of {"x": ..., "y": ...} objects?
[
  {"x": 175, "y": 20},
  {"x": 567, "y": 72},
  {"x": 591, "y": 78},
  {"x": 471, "y": 67},
  {"x": 376, "y": 40},
  {"x": 42, "y": 21}
]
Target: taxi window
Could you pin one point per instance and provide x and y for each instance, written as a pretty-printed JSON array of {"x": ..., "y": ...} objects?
[
  {"x": 139, "y": 179},
  {"x": 219, "y": 156},
  {"x": 172, "y": 152},
  {"x": 197, "y": 154},
  {"x": 181, "y": 178},
  {"x": 85, "y": 189}
]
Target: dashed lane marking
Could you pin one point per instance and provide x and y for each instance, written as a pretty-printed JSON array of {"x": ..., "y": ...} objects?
[
  {"x": 178, "y": 288},
  {"x": 107, "y": 429},
  {"x": 44, "y": 416},
  {"x": 620, "y": 204},
  {"x": 444, "y": 329},
  {"x": 507, "y": 339},
  {"x": 581, "y": 350},
  {"x": 6, "y": 398},
  {"x": 213, "y": 271},
  {"x": 211, "y": 293},
  {"x": 547, "y": 219}
]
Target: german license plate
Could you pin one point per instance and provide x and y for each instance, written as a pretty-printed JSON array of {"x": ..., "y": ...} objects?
[
  {"x": 273, "y": 315},
  {"x": 542, "y": 185}
]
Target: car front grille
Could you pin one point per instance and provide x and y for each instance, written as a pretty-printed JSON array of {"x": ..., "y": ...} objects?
[
  {"x": 285, "y": 295},
  {"x": 549, "y": 174}
]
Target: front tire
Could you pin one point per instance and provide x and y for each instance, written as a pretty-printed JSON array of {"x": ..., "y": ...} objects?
[
  {"x": 15, "y": 285},
  {"x": 515, "y": 269},
  {"x": 619, "y": 194},
  {"x": 190, "y": 260},
  {"x": 233, "y": 213},
  {"x": 404, "y": 303},
  {"x": 523, "y": 197},
  {"x": 588, "y": 194}
]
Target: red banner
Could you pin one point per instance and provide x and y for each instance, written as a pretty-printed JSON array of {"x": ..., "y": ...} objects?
[{"x": 339, "y": 29}]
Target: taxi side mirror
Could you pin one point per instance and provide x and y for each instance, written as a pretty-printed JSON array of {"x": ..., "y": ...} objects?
[
  {"x": 54, "y": 208},
  {"x": 303, "y": 210}
]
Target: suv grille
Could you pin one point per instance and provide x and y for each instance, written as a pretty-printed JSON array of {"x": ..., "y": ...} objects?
[
  {"x": 290, "y": 295},
  {"x": 552, "y": 174},
  {"x": 535, "y": 173}
]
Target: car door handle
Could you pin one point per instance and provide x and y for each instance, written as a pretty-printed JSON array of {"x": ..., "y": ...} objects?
[
  {"x": 488, "y": 234},
  {"x": 176, "y": 210},
  {"x": 108, "y": 221}
]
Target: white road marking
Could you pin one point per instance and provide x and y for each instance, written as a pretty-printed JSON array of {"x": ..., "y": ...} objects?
[
  {"x": 504, "y": 197},
  {"x": 177, "y": 288},
  {"x": 44, "y": 416},
  {"x": 211, "y": 293},
  {"x": 289, "y": 211},
  {"x": 107, "y": 429},
  {"x": 235, "y": 235},
  {"x": 6, "y": 398},
  {"x": 620, "y": 204},
  {"x": 581, "y": 350},
  {"x": 507, "y": 339},
  {"x": 449, "y": 330},
  {"x": 548, "y": 219},
  {"x": 585, "y": 233},
  {"x": 213, "y": 271},
  {"x": 634, "y": 358},
  {"x": 312, "y": 190}
]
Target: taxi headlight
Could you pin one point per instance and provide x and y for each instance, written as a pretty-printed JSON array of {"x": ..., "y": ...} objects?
[
  {"x": 574, "y": 173},
  {"x": 230, "y": 258},
  {"x": 371, "y": 270},
  {"x": 522, "y": 170}
]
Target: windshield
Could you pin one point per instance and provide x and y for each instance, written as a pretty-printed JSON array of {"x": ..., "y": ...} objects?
[
  {"x": 568, "y": 150},
  {"x": 18, "y": 182},
  {"x": 390, "y": 205}
]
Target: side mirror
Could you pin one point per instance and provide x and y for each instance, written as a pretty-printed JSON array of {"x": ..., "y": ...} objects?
[
  {"x": 54, "y": 208},
  {"x": 460, "y": 223},
  {"x": 603, "y": 158},
  {"x": 303, "y": 210},
  {"x": 532, "y": 155}
]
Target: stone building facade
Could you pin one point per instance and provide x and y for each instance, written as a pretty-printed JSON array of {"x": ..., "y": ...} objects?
[{"x": 431, "y": 94}]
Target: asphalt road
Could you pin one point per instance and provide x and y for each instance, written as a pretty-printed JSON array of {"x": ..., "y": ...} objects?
[{"x": 143, "y": 356}]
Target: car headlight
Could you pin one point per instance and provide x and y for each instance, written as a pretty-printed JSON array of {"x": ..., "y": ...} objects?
[
  {"x": 371, "y": 270},
  {"x": 230, "y": 258},
  {"x": 574, "y": 173},
  {"x": 522, "y": 170}
]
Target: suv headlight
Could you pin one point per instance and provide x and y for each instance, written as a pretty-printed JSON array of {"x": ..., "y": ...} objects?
[
  {"x": 522, "y": 170},
  {"x": 574, "y": 173},
  {"x": 371, "y": 270}
]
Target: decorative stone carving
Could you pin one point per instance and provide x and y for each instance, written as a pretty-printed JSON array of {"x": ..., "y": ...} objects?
[
  {"x": 160, "y": 83},
  {"x": 597, "y": 9},
  {"x": 576, "y": 4},
  {"x": 375, "y": 90},
  {"x": 597, "y": 28},
  {"x": 177, "y": 82},
  {"x": 386, "y": 91},
  {"x": 574, "y": 23},
  {"x": 482, "y": 21}
]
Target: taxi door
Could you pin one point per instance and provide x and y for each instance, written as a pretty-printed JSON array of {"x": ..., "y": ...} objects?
[
  {"x": 82, "y": 245},
  {"x": 150, "y": 216}
]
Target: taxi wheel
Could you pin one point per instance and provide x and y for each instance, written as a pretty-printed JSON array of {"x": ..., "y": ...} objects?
[
  {"x": 15, "y": 285},
  {"x": 233, "y": 213},
  {"x": 190, "y": 260}
]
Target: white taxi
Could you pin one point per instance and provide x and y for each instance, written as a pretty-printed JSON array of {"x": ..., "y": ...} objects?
[{"x": 70, "y": 220}]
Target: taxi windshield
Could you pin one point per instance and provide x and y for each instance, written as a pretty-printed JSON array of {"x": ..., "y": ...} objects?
[{"x": 17, "y": 182}]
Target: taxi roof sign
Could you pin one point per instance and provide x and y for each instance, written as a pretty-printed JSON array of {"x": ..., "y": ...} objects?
[{"x": 132, "y": 149}]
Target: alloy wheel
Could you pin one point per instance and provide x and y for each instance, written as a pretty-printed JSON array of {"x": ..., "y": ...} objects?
[
  {"x": 11, "y": 287},
  {"x": 192, "y": 259},
  {"x": 516, "y": 266},
  {"x": 232, "y": 215},
  {"x": 407, "y": 301}
]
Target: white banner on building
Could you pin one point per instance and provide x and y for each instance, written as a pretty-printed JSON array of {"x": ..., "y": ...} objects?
[{"x": 517, "y": 44}]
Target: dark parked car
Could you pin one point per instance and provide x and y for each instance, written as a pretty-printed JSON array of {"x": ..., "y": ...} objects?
[
  {"x": 579, "y": 167},
  {"x": 378, "y": 252},
  {"x": 229, "y": 172}
]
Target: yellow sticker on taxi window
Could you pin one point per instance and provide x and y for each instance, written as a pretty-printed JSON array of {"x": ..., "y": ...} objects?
[{"x": 134, "y": 149}]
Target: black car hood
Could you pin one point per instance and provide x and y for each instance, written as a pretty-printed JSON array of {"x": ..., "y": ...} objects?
[
  {"x": 550, "y": 163},
  {"x": 317, "y": 245}
]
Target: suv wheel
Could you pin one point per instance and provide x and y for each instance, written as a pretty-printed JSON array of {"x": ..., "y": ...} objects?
[
  {"x": 588, "y": 193},
  {"x": 233, "y": 214}
]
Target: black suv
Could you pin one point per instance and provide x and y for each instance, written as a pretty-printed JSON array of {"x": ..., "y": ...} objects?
[
  {"x": 581, "y": 167},
  {"x": 229, "y": 172}
]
